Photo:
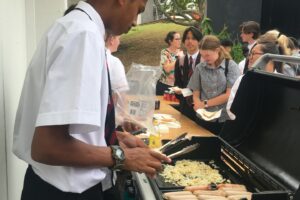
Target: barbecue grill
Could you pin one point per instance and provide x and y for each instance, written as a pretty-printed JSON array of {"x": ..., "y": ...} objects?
[{"x": 260, "y": 149}]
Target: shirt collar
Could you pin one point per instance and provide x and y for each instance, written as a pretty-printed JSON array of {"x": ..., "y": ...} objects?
[
  {"x": 93, "y": 14},
  {"x": 250, "y": 46},
  {"x": 222, "y": 65},
  {"x": 108, "y": 51},
  {"x": 194, "y": 56}
]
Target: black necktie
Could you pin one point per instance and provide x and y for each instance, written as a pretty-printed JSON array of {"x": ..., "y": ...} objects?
[{"x": 110, "y": 126}]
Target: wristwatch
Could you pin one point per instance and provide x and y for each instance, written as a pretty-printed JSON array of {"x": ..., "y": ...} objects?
[
  {"x": 119, "y": 157},
  {"x": 205, "y": 104}
]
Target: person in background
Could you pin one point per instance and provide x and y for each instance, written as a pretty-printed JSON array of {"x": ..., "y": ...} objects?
[
  {"x": 184, "y": 68},
  {"x": 64, "y": 125},
  {"x": 119, "y": 86},
  {"x": 227, "y": 44},
  {"x": 167, "y": 62},
  {"x": 117, "y": 74},
  {"x": 211, "y": 82},
  {"x": 250, "y": 31},
  {"x": 262, "y": 47},
  {"x": 294, "y": 45},
  {"x": 245, "y": 51},
  {"x": 284, "y": 42}
]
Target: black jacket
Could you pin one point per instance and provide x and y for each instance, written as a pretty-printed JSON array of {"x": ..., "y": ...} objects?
[{"x": 182, "y": 72}]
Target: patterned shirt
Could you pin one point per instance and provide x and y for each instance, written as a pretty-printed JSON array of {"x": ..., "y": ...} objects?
[{"x": 167, "y": 78}]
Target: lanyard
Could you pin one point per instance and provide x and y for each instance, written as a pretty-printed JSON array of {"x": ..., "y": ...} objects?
[{"x": 83, "y": 12}]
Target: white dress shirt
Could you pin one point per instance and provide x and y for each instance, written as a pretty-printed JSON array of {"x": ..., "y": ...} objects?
[
  {"x": 66, "y": 83},
  {"x": 194, "y": 56},
  {"x": 117, "y": 73}
]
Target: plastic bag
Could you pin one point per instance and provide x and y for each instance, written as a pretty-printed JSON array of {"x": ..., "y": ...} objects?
[{"x": 138, "y": 103}]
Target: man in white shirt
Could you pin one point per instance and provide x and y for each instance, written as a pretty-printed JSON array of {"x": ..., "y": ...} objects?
[
  {"x": 61, "y": 119},
  {"x": 118, "y": 79},
  {"x": 116, "y": 68},
  {"x": 250, "y": 31}
]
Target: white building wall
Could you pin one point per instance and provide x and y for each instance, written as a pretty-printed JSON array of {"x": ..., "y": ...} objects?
[
  {"x": 22, "y": 24},
  {"x": 3, "y": 160},
  {"x": 13, "y": 63}
]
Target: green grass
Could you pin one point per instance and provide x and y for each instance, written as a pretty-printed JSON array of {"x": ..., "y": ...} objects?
[{"x": 143, "y": 43}]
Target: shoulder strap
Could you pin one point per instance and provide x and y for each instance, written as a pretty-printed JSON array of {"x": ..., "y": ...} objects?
[
  {"x": 226, "y": 66},
  {"x": 83, "y": 12}
]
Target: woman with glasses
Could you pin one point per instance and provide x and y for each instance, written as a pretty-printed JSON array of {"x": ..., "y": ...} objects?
[
  {"x": 262, "y": 47},
  {"x": 167, "y": 62}
]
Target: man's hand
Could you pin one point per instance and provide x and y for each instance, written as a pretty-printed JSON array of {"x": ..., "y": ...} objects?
[
  {"x": 144, "y": 160},
  {"x": 127, "y": 140},
  {"x": 129, "y": 126},
  {"x": 139, "y": 157}
]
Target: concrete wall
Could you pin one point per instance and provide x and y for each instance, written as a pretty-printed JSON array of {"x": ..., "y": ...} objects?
[
  {"x": 3, "y": 159},
  {"x": 13, "y": 65},
  {"x": 22, "y": 25}
]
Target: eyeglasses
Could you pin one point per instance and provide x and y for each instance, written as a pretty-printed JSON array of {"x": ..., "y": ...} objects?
[{"x": 254, "y": 53}]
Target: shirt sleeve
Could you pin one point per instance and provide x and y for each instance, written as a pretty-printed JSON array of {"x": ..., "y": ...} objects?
[
  {"x": 118, "y": 78},
  {"x": 232, "y": 96},
  {"x": 164, "y": 57},
  {"x": 288, "y": 70},
  {"x": 71, "y": 94},
  {"x": 195, "y": 82},
  {"x": 233, "y": 73}
]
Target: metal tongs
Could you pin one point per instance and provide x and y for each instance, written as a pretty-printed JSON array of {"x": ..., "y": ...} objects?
[
  {"x": 185, "y": 150},
  {"x": 167, "y": 146}
]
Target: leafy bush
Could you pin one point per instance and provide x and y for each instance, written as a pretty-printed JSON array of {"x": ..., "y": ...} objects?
[{"x": 236, "y": 52}]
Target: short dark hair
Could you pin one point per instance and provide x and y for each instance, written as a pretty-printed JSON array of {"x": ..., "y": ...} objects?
[
  {"x": 226, "y": 43},
  {"x": 170, "y": 37},
  {"x": 195, "y": 32},
  {"x": 251, "y": 27}
]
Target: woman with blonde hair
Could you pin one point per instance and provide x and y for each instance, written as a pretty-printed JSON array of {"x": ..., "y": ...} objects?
[
  {"x": 281, "y": 39},
  {"x": 211, "y": 83},
  {"x": 284, "y": 42}
]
